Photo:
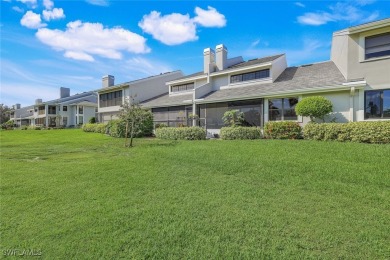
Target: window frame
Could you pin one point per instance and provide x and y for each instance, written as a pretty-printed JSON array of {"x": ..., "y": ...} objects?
[
  {"x": 183, "y": 87},
  {"x": 283, "y": 109},
  {"x": 243, "y": 77},
  {"x": 362, "y": 45},
  {"x": 381, "y": 103}
]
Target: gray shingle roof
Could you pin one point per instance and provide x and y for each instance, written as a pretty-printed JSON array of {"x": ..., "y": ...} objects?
[
  {"x": 191, "y": 75},
  {"x": 302, "y": 78},
  {"x": 165, "y": 100},
  {"x": 256, "y": 61}
]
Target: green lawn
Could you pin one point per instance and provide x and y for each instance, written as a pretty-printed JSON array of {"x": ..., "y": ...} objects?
[{"x": 80, "y": 195}]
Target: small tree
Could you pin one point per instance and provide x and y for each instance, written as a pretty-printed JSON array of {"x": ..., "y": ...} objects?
[
  {"x": 136, "y": 119},
  {"x": 314, "y": 107},
  {"x": 233, "y": 118}
]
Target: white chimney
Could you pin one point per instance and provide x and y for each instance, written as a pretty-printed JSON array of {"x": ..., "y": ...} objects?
[
  {"x": 221, "y": 56},
  {"x": 17, "y": 106},
  {"x": 209, "y": 60},
  {"x": 38, "y": 101},
  {"x": 108, "y": 81}
]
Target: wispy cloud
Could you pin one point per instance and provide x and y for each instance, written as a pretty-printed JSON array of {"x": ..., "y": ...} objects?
[
  {"x": 300, "y": 4},
  {"x": 55, "y": 14},
  {"x": 18, "y": 9},
  {"x": 255, "y": 43},
  {"x": 99, "y": 2},
  {"x": 310, "y": 50},
  {"x": 341, "y": 11},
  {"x": 175, "y": 28}
]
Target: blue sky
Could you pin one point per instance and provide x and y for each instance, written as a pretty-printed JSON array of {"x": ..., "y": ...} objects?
[{"x": 46, "y": 44}]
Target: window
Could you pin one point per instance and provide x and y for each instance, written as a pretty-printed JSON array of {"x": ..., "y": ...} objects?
[
  {"x": 377, "y": 104},
  {"x": 183, "y": 87},
  {"x": 40, "y": 121},
  {"x": 377, "y": 46},
  {"x": 65, "y": 108},
  {"x": 260, "y": 74},
  {"x": 81, "y": 110},
  {"x": 65, "y": 121},
  {"x": 210, "y": 115},
  {"x": 172, "y": 116},
  {"x": 81, "y": 120},
  {"x": 52, "y": 110},
  {"x": 41, "y": 110},
  {"x": 110, "y": 99},
  {"x": 282, "y": 109}
]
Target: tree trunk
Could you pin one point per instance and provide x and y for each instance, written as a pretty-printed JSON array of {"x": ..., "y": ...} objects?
[
  {"x": 127, "y": 129},
  {"x": 131, "y": 133}
]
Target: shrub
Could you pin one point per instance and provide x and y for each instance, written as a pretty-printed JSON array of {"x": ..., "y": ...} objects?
[
  {"x": 240, "y": 133},
  {"x": 117, "y": 128},
  {"x": 314, "y": 107},
  {"x": 160, "y": 125},
  {"x": 181, "y": 133},
  {"x": 361, "y": 132},
  {"x": 282, "y": 130},
  {"x": 92, "y": 120},
  {"x": 9, "y": 125},
  {"x": 233, "y": 118},
  {"x": 95, "y": 128}
]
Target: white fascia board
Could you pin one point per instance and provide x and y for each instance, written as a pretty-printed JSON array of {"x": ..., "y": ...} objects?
[
  {"x": 186, "y": 80},
  {"x": 356, "y": 84},
  {"x": 364, "y": 27},
  {"x": 114, "y": 88},
  {"x": 245, "y": 68},
  {"x": 335, "y": 88}
]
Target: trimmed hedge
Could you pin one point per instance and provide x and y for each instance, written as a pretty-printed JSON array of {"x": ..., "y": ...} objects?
[
  {"x": 282, "y": 130},
  {"x": 95, "y": 128},
  {"x": 361, "y": 132},
  {"x": 240, "y": 133},
  {"x": 181, "y": 133}
]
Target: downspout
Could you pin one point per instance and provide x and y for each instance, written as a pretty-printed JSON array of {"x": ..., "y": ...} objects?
[{"x": 351, "y": 105}]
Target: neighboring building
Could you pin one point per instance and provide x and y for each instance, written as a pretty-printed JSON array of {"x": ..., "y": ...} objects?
[
  {"x": 65, "y": 111},
  {"x": 356, "y": 80},
  {"x": 111, "y": 96}
]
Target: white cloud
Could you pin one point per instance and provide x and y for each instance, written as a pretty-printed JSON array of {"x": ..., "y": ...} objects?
[
  {"x": 209, "y": 18},
  {"x": 341, "y": 11},
  {"x": 78, "y": 56},
  {"x": 56, "y": 13},
  {"x": 300, "y": 4},
  {"x": 174, "y": 29},
  {"x": 170, "y": 29},
  {"x": 18, "y": 9},
  {"x": 365, "y": 2},
  {"x": 48, "y": 4},
  {"x": 32, "y": 20},
  {"x": 255, "y": 43},
  {"x": 81, "y": 41},
  {"x": 31, "y": 3},
  {"x": 99, "y": 2}
]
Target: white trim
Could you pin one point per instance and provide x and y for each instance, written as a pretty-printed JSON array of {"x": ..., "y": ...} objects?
[
  {"x": 240, "y": 69},
  {"x": 364, "y": 27},
  {"x": 362, "y": 44},
  {"x": 191, "y": 79}
]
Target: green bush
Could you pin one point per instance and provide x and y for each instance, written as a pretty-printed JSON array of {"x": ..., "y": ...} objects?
[
  {"x": 9, "y": 125},
  {"x": 282, "y": 130},
  {"x": 361, "y": 132},
  {"x": 240, "y": 133},
  {"x": 314, "y": 107},
  {"x": 95, "y": 128},
  {"x": 181, "y": 133},
  {"x": 92, "y": 120},
  {"x": 117, "y": 128}
]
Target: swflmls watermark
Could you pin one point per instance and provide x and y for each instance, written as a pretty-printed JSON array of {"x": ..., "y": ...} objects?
[{"x": 22, "y": 252}]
